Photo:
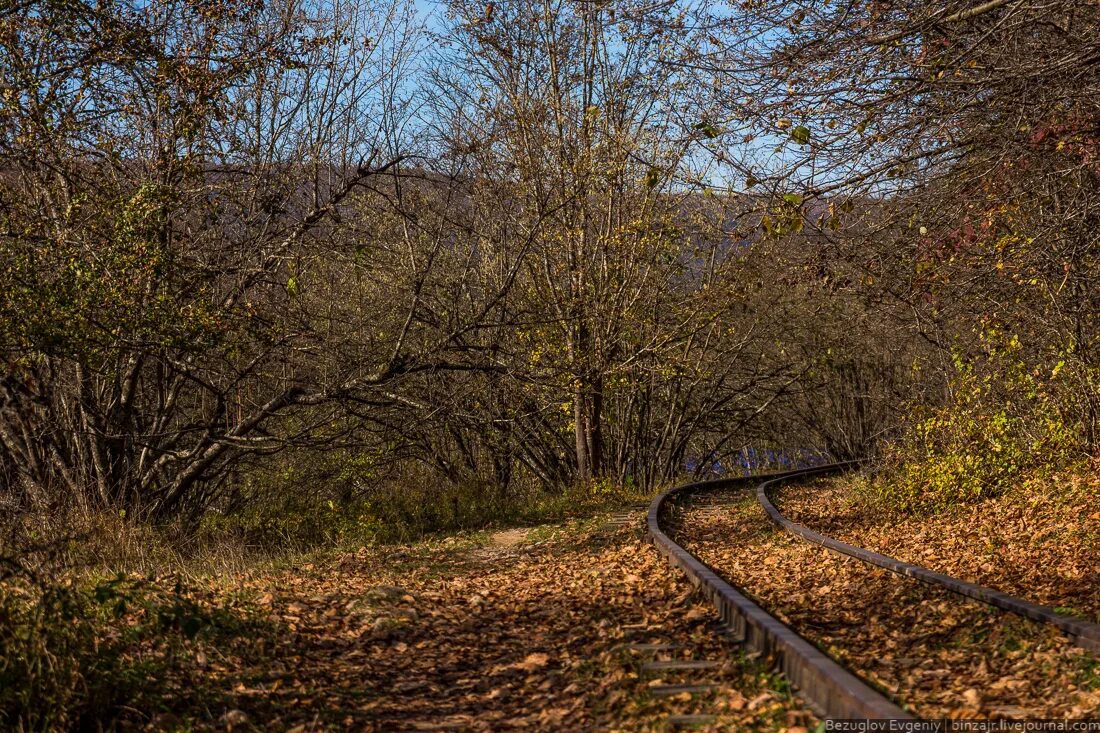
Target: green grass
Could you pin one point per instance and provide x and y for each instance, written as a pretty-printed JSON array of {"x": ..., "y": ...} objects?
[{"x": 1088, "y": 677}]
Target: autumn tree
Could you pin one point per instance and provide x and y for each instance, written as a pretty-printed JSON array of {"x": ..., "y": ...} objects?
[
  {"x": 943, "y": 154},
  {"x": 202, "y": 263},
  {"x": 631, "y": 350}
]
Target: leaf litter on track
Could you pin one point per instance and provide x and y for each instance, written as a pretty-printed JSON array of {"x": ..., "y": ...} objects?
[
  {"x": 1040, "y": 541},
  {"x": 934, "y": 652}
]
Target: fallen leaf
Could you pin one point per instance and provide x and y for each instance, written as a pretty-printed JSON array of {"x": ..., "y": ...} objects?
[{"x": 534, "y": 661}]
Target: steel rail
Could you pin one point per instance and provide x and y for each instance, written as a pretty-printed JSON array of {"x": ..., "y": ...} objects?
[
  {"x": 1082, "y": 633},
  {"x": 827, "y": 686}
]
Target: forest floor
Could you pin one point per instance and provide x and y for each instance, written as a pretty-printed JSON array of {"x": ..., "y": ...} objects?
[
  {"x": 549, "y": 627},
  {"x": 1039, "y": 541},
  {"x": 933, "y": 652},
  {"x": 526, "y": 629}
]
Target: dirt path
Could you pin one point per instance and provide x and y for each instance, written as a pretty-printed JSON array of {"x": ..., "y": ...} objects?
[
  {"x": 508, "y": 537},
  {"x": 514, "y": 636}
]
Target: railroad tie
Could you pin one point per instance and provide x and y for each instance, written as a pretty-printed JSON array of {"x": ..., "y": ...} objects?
[
  {"x": 623, "y": 518},
  {"x": 679, "y": 664},
  {"x": 689, "y": 721},
  {"x": 698, "y": 688},
  {"x": 651, "y": 647},
  {"x": 681, "y": 720}
]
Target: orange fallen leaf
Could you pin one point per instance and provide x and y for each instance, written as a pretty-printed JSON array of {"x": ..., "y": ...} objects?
[{"x": 534, "y": 661}]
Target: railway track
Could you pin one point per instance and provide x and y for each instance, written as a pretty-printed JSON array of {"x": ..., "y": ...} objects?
[
  {"x": 831, "y": 689},
  {"x": 1081, "y": 633}
]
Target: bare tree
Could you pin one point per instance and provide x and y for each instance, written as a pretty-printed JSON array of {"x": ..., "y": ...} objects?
[{"x": 194, "y": 197}]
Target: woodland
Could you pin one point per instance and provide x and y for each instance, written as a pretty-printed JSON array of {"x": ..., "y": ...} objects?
[{"x": 317, "y": 315}]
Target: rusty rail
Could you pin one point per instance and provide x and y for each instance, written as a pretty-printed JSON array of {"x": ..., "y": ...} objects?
[
  {"x": 831, "y": 689},
  {"x": 1083, "y": 633}
]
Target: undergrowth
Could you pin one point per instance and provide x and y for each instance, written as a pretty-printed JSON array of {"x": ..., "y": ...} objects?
[
  {"x": 84, "y": 653},
  {"x": 91, "y": 639},
  {"x": 407, "y": 512},
  {"x": 1006, "y": 416}
]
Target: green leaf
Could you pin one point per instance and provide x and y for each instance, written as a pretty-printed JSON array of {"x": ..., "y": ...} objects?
[
  {"x": 292, "y": 286},
  {"x": 707, "y": 129}
]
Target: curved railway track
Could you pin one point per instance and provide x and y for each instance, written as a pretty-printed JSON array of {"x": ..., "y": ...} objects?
[
  {"x": 1081, "y": 633},
  {"x": 827, "y": 686}
]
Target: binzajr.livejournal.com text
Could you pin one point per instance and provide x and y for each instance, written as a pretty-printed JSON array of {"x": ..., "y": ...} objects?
[{"x": 946, "y": 725}]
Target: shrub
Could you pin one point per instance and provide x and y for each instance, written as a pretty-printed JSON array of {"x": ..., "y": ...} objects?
[
  {"x": 400, "y": 509},
  {"x": 1006, "y": 413},
  {"x": 79, "y": 655}
]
